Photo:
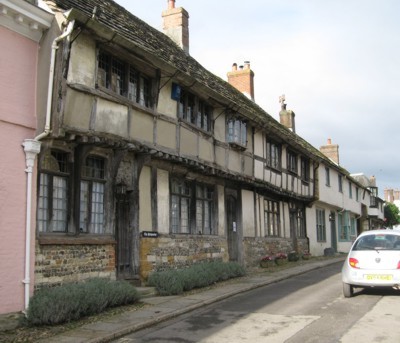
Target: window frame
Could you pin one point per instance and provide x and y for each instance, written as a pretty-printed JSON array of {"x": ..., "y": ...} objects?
[
  {"x": 193, "y": 203},
  {"x": 274, "y": 155},
  {"x": 132, "y": 84},
  {"x": 305, "y": 169},
  {"x": 95, "y": 193},
  {"x": 340, "y": 183},
  {"x": 194, "y": 110},
  {"x": 236, "y": 132},
  {"x": 327, "y": 177},
  {"x": 291, "y": 162},
  {"x": 46, "y": 209},
  {"x": 320, "y": 224},
  {"x": 272, "y": 218}
]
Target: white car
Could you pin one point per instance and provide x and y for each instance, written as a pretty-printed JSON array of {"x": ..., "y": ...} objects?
[{"x": 373, "y": 261}]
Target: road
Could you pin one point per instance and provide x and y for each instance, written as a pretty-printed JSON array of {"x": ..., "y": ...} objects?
[{"x": 304, "y": 309}]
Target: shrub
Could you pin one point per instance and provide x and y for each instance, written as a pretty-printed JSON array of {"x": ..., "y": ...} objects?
[
  {"x": 73, "y": 301},
  {"x": 172, "y": 282}
]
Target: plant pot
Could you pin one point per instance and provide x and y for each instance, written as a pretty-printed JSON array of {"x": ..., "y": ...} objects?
[
  {"x": 281, "y": 261},
  {"x": 306, "y": 257},
  {"x": 293, "y": 256}
]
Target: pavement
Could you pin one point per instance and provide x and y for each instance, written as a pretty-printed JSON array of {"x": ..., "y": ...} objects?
[{"x": 162, "y": 308}]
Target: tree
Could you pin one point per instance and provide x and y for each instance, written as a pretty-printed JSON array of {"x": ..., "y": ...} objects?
[{"x": 392, "y": 216}]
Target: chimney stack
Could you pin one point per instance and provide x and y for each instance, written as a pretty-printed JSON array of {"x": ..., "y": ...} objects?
[
  {"x": 331, "y": 151},
  {"x": 286, "y": 116},
  {"x": 242, "y": 79},
  {"x": 176, "y": 25}
]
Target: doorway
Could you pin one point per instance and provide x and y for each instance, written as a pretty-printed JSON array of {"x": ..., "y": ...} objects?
[
  {"x": 124, "y": 238},
  {"x": 232, "y": 225}
]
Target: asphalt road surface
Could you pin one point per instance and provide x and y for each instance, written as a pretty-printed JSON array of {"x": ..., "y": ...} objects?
[{"x": 304, "y": 309}]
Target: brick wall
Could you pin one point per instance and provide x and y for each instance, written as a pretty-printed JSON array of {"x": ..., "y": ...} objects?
[{"x": 58, "y": 264}]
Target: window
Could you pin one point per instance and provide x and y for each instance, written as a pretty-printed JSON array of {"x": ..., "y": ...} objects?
[
  {"x": 305, "y": 169},
  {"x": 357, "y": 194},
  {"x": 340, "y": 183},
  {"x": 53, "y": 191},
  {"x": 271, "y": 218},
  {"x": 123, "y": 79},
  {"x": 274, "y": 156},
  {"x": 350, "y": 190},
  {"x": 291, "y": 162},
  {"x": 204, "y": 209},
  {"x": 237, "y": 132},
  {"x": 194, "y": 110},
  {"x": 321, "y": 228},
  {"x": 301, "y": 223},
  {"x": 91, "y": 219},
  {"x": 192, "y": 200},
  {"x": 344, "y": 226},
  {"x": 327, "y": 177}
]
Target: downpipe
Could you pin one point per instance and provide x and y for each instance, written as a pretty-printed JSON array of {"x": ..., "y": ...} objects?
[{"x": 54, "y": 48}]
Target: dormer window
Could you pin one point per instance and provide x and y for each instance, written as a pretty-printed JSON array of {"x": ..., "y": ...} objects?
[{"x": 237, "y": 132}]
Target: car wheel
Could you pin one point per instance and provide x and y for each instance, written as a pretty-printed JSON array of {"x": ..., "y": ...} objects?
[{"x": 348, "y": 290}]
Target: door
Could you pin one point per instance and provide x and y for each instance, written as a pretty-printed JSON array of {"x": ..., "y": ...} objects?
[
  {"x": 124, "y": 238},
  {"x": 232, "y": 227}
]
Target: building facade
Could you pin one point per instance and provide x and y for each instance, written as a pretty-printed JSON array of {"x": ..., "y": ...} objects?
[
  {"x": 21, "y": 27},
  {"x": 151, "y": 161}
]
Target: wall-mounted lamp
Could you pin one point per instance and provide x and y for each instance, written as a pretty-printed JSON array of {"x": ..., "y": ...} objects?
[{"x": 121, "y": 188}]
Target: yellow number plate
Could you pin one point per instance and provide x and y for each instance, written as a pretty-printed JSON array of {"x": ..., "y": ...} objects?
[{"x": 384, "y": 277}]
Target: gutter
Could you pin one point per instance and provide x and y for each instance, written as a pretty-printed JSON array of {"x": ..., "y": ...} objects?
[{"x": 32, "y": 149}]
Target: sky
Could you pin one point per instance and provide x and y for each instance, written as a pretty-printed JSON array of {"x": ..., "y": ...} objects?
[{"x": 336, "y": 61}]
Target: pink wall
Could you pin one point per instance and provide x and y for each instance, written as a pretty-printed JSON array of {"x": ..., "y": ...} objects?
[{"x": 17, "y": 122}]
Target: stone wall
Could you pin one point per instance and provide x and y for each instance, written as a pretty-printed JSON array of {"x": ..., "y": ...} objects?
[
  {"x": 59, "y": 264},
  {"x": 178, "y": 251},
  {"x": 256, "y": 248}
]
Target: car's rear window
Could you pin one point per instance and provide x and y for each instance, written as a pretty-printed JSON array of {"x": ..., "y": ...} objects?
[{"x": 378, "y": 242}]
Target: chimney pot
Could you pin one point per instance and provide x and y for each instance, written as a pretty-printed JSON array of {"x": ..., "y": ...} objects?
[
  {"x": 234, "y": 67},
  {"x": 329, "y": 141},
  {"x": 246, "y": 64},
  {"x": 171, "y": 4}
]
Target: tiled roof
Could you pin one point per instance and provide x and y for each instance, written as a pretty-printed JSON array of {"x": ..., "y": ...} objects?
[{"x": 156, "y": 43}]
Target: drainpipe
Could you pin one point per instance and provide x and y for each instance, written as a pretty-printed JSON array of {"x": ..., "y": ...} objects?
[
  {"x": 54, "y": 47},
  {"x": 32, "y": 149}
]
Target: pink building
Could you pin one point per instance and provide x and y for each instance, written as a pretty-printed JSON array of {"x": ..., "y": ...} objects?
[{"x": 22, "y": 25}]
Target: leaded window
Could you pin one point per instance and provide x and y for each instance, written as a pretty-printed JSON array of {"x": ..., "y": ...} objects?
[
  {"x": 192, "y": 207},
  {"x": 237, "y": 132},
  {"x": 274, "y": 155},
  {"x": 53, "y": 193},
  {"x": 123, "y": 79},
  {"x": 194, "y": 110},
  {"x": 271, "y": 218},
  {"x": 291, "y": 162},
  {"x": 92, "y": 191}
]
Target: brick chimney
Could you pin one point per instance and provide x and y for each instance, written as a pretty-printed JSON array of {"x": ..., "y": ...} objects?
[
  {"x": 286, "y": 116},
  {"x": 331, "y": 151},
  {"x": 176, "y": 25},
  {"x": 242, "y": 79}
]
